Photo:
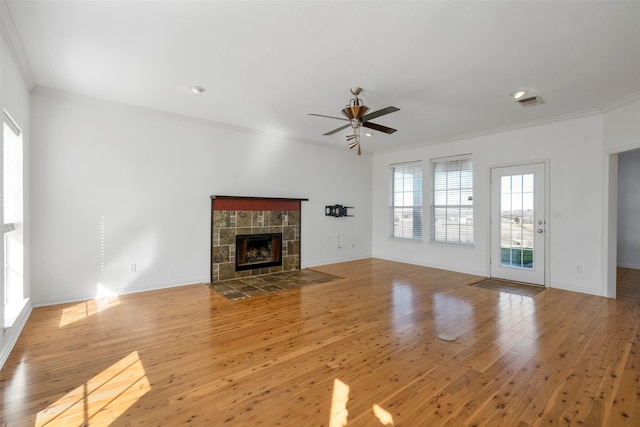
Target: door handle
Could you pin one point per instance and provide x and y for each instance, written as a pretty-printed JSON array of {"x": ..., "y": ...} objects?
[{"x": 540, "y": 230}]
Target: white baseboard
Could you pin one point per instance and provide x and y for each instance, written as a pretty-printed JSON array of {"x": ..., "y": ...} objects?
[
  {"x": 42, "y": 302},
  {"x": 574, "y": 288},
  {"x": 440, "y": 266},
  {"x": 333, "y": 261},
  {"x": 631, "y": 266},
  {"x": 11, "y": 334}
]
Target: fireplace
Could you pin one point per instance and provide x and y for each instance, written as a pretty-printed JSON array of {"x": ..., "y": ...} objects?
[
  {"x": 252, "y": 236},
  {"x": 258, "y": 251}
]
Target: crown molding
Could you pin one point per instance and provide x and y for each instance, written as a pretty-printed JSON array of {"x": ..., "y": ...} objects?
[
  {"x": 11, "y": 35},
  {"x": 621, "y": 102},
  {"x": 494, "y": 131},
  {"x": 55, "y": 93}
]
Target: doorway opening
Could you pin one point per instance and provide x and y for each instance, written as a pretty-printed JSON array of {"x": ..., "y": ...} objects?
[{"x": 628, "y": 227}]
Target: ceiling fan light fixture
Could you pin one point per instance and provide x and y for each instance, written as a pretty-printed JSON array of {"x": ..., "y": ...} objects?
[
  {"x": 355, "y": 111},
  {"x": 519, "y": 94}
]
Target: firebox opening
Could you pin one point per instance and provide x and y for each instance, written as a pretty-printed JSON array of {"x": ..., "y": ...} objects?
[{"x": 258, "y": 251}]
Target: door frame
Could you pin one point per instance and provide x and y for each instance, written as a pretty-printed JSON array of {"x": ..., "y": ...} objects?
[
  {"x": 610, "y": 219},
  {"x": 548, "y": 223}
]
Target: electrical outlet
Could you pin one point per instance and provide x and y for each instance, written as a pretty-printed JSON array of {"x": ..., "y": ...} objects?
[
  {"x": 578, "y": 268},
  {"x": 132, "y": 268}
]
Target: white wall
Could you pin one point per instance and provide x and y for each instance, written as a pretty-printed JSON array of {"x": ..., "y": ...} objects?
[
  {"x": 573, "y": 148},
  {"x": 622, "y": 126},
  {"x": 15, "y": 99},
  {"x": 629, "y": 209},
  {"x": 114, "y": 185}
]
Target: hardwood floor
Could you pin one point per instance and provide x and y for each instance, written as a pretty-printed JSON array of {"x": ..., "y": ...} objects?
[
  {"x": 360, "y": 351},
  {"x": 628, "y": 285}
]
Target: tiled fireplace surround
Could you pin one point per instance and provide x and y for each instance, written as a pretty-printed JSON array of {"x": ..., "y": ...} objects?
[{"x": 235, "y": 215}]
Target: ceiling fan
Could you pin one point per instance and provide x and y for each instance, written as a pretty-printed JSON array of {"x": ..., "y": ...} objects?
[{"x": 356, "y": 114}]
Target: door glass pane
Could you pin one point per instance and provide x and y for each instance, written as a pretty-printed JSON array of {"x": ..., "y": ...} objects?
[
  {"x": 516, "y": 223},
  {"x": 527, "y": 183},
  {"x": 505, "y": 185},
  {"x": 516, "y": 183}
]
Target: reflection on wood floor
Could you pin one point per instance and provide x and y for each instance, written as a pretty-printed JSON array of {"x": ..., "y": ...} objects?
[
  {"x": 362, "y": 351},
  {"x": 628, "y": 285}
]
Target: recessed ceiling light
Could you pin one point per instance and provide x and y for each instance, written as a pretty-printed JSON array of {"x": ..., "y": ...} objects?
[
  {"x": 369, "y": 134},
  {"x": 519, "y": 94},
  {"x": 196, "y": 89}
]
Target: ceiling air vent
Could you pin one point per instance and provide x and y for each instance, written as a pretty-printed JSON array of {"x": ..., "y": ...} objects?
[{"x": 530, "y": 101}]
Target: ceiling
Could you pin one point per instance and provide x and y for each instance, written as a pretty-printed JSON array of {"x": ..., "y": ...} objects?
[{"x": 449, "y": 66}]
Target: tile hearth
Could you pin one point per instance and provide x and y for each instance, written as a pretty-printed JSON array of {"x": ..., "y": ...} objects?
[{"x": 254, "y": 286}]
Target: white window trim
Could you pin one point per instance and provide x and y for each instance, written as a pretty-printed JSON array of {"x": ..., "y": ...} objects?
[
  {"x": 392, "y": 205},
  {"x": 13, "y": 292},
  {"x": 432, "y": 206},
  {"x": 17, "y": 132}
]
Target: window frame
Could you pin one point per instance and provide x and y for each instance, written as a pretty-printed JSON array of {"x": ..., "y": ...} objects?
[
  {"x": 11, "y": 180},
  {"x": 417, "y": 210},
  {"x": 13, "y": 211},
  {"x": 461, "y": 190}
]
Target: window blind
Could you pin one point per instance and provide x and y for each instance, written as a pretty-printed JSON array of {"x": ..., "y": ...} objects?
[
  {"x": 406, "y": 206},
  {"x": 452, "y": 205}
]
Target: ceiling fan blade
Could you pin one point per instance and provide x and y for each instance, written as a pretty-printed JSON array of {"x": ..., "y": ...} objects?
[
  {"x": 329, "y": 117},
  {"x": 379, "y": 113},
  {"x": 378, "y": 127},
  {"x": 331, "y": 132}
]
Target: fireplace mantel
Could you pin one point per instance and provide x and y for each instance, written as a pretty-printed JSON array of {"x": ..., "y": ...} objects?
[
  {"x": 248, "y": 215},
  {"x": 255, "y": 203}
]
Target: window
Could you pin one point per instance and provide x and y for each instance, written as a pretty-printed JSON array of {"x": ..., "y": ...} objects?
[
  {"x": 13, "y": 234},
  {"x": 406, "y": 202},
  {"x": 452, "y": 204},
  {"x": 10, "y": 173}
]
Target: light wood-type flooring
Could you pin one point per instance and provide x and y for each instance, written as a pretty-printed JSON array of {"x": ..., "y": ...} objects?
[
  {"x": 359, "y": 351},
  {"x": 628, "y": 285}
]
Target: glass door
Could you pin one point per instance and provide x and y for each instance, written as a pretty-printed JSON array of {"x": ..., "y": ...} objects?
[{"x": 518, "y": 223}]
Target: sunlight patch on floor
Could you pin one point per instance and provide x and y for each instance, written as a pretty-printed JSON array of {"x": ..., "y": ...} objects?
[
  {"x": 104, "y": 299},
  {"x": 339, "y": 413},
  {"x": 383, "y": 416},
  {"x": 102, "y": 399},
  {"x": 339, "y": 416}
]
